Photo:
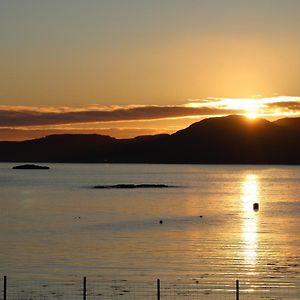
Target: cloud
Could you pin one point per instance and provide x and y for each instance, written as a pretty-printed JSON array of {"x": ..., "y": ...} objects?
[
  {"x": 29, "y": 117},
  {"x": 15, "y": 116},
  {"x": 289, "y": 105}
]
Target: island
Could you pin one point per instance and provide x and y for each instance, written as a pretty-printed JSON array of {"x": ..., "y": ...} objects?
[
  {"x": 131, "y": 186},
  {"x": 30, "y": 167}
]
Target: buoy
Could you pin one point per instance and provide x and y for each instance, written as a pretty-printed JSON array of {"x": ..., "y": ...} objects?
[
  {"x": 256, "y": 206},
  {"x": 161, "y": 221},
  {"x": 200, "y": 216}
]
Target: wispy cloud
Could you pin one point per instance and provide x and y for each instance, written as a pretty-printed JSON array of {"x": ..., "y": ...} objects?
[
  {"x": 265, "y": 107},
  {"x": 15, "y": 116},
  {"x": 287, "y": 106}
]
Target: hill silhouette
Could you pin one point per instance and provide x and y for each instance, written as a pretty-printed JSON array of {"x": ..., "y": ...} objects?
[{"x": 223, "y": 140}]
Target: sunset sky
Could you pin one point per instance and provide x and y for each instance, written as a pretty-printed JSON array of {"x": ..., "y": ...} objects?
[{"x": 133, "y": 67}]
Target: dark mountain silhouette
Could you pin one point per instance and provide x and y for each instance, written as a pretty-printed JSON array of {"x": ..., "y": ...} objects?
[
  {"x": 224, "y": 140},
  {"x": 291, "y": 123}
]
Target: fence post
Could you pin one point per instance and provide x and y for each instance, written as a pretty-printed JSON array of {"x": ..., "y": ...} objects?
[
  {"x": 158, "y": 289},
  {"x": 4, "y": 288},
  {"x": 84, "y": 288},
  {"x": 237, "y": 290}
]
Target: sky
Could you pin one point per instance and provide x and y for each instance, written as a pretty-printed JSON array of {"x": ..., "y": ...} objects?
[{"x": 134, "y": 67}]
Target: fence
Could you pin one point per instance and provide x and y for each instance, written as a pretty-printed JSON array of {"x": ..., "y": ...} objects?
[{"x": 156, "y": 290}]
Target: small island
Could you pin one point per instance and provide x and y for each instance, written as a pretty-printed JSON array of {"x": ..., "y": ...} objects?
[
  {"x": 131, "y": 186},
  {"x": 30, "y": 167}
]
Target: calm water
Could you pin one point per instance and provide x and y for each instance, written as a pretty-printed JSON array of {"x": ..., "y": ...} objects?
[{"x": 54, "y": 226}]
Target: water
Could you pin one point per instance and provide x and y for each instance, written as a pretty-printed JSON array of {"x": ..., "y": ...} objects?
[{"x": 55, "y": 227}]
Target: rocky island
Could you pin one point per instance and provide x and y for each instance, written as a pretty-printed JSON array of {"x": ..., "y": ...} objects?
[
  {"x": 131, "y": 186},
  {"x": 30, "y": 167}
]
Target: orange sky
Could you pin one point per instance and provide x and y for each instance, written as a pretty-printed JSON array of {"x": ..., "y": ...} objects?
[
  {"x": 133, "y": 67},
  {"x": 24, "y": 122}
]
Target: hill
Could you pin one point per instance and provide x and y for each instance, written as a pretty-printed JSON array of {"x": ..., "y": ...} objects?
[{"x": 223, "y": 140}]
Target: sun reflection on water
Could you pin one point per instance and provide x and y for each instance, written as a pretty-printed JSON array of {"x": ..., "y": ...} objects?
[{"x": 250, "y": 195}]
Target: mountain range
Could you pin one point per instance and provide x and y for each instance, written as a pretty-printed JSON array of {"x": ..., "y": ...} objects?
[{"x": 222, "y": 140}]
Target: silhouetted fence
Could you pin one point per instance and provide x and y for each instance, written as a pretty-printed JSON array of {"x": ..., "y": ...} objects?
[{"x": 123, "y": 289}]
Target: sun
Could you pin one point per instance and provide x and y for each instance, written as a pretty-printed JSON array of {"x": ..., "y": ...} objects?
[
  {"x": 251, "y": 115},
  {"x": 249, "y": 107},
  {"x": 252, "y": 108}
]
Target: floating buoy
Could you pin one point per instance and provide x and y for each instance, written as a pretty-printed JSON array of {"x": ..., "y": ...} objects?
[
  {"x": 256, "y": 206},
  {"x": 200, "y": 216},
  {"x": 161, "y": 221}
]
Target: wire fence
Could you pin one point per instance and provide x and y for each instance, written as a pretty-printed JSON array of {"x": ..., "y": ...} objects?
[{"x": 13, "y": 289}]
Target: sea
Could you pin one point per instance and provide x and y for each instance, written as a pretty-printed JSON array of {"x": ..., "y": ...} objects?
[{"x": 199, "y": 235}]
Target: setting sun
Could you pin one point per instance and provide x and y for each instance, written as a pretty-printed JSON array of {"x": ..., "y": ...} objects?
[
  {"x": 250, "y": 107},
  {"x": 269, "y": 107},
  {"x": 150, "y": 148},
  {"x": 251, "y": 115}
]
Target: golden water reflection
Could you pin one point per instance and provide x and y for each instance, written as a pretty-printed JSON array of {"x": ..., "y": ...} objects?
[{"x": 250, "y": 195}]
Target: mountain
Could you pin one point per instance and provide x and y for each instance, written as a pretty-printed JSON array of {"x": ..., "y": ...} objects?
[
  {"x": 223, "y": 140},
  {"x": 291, "y": 123}
]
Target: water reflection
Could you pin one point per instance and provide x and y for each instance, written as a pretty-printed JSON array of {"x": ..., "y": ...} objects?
[{"x": 250, "y": 195}]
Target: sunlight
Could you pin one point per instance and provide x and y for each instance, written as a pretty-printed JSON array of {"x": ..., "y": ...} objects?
[
  {"x": 244, "y": 106},
  {"x": 250, "y": 195},
  {"x": 252, "y": 107},
  {"x": 251, "y": 115}
]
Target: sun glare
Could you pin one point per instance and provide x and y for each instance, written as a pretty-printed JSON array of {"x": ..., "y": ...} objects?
[
  {"x": 252, "y": 108},
  {"x": 249, "y": 107},
  {"x": 251, "y": 115},
  {"x": 250, "y": 195}
]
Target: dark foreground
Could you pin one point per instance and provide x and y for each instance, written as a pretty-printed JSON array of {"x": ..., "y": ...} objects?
[{"x": 226, "y": 140}]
